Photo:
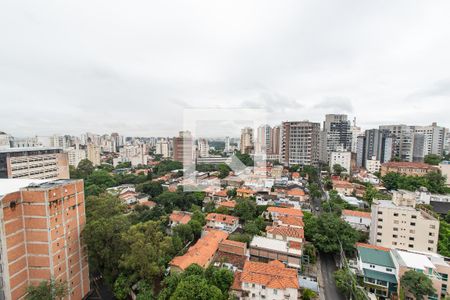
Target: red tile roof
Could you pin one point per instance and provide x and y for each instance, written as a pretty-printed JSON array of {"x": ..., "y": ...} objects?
[
  {"x": 221, "y": 193},
  {"x": 202, "y": 251},
  {"x": 342, "y": 184},
  {"x": 286, "y": 231},
  {"x": 363, "y": 245},
  {"x": 181, "y": 217},
  {"x": 245, "y": 191},
  {"x": 404, "y": 164},
  {"x": 222, "y": 218},
  {"x": 273, "y": 275},
  {"x": 291, "y": 221},
  {"x": 296, "y": 192},
  {"x": 356, "y": 213},
  {"x": 285, "y": 211}
]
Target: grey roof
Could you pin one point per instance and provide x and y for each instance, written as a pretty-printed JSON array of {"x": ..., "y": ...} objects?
[{"x": 27, "y": 149}]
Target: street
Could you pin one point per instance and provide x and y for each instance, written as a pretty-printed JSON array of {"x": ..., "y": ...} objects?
[{"x": 327, "y": 268}]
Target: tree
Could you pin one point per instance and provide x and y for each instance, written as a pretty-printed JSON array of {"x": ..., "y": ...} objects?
[
  {"x": 308, "y": 294},
  {"x": 101, "y": 178},
  {"x": 314, "y": 190},
  {"x": 327, "y": 230},
  {"x": 220, "y": 277},
  {"x": 417, "y": 284},
  {"x": 148, "y": 250},
  {"x": 85, "y": 168},
  {"x": 432, "y": 159},
  {"x": 370, "y": 194},
  {"x": 47, "y": 290},
  {"x": 232, "y": 193},
  {"x": 196, "y": 287},
  {"x": 224, "y": 170},
  {"x": 347, "y": 284},
  {"x": 122, "y": 287},
  {"x": 184, "y": 232},
  {"x": 152, "y": 188},
  {"x": 338, "y": 169},
  {"x": 245, "y": 209},
  {"x": 245, "y": 159}
]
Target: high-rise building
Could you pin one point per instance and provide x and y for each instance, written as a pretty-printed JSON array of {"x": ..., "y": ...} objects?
[
  {"x": 34, "y": 163},
  {"x": 336, "y": 134},
  {"x": 40, "y": 238},
  {"x": 434, "y": 138},
  {"x": 378, "y": 145},
  {"x": 276, "y": 140},
  {"x": 263, "y": 139},
  {"x": 227, "y": 144},
  {"x": 355, "y": 132},
  {"x": 76, "y": 155},
  {"x": 93, "y": 154},
  {"x": 402, "y": 141},
  {"x": 300, "y": 143},
  {"x": 203, "y": 147},
  {"x": 247, "y": 141},
  {"x": 400, "y": 224},
  {"x": 163, "y": 148},
  {"x": 182, "y": 147}
]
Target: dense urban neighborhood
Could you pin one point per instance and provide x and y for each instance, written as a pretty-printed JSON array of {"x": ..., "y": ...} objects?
[{"x": 295, "y": 211}]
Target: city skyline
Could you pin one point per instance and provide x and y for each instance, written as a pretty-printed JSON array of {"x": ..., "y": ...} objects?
[{"x": 137, "y": 67}]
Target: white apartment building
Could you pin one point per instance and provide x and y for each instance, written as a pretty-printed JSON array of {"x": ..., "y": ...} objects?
[
  {"x": 434, "y": 138},
  {"x": 4, "y": 140},
  {"x": 203, "y": 147},
  {"x": 75, "y": 155},
  {"x": 444, "y": 166},
  {"x": 163, "y": 148},
  {"x": 373, "y": 165},
  {"x": 247, "y": 140},
  {"x": 342, "y": 158},
  {"x": 398, "y": 224},
  {"x": 300, "y": 143}
]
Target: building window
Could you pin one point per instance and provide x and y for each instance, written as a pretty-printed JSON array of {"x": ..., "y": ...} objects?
[
  {"x": 394, "y": 236},
  {"x": 380, "y": 220},
  {"x": 275, "y": 292},
  {"x": 379, "y": 227},
  {"x": 414, "y": 217},
  {"x": 372, "y": 266},
  {"x": 413, "y": 224},
  {"x": 411, "y": 239},
  {"x": 395, "y": 214},
  {"x": 411, "y": 246},
  {"x": 388, "y": 269},
  {"x": 430, "y": 242}
]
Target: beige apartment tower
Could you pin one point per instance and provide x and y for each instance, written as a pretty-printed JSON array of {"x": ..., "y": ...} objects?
[
  {"x": 399, "y": 224},
  {"x": 40, "y": 232}
]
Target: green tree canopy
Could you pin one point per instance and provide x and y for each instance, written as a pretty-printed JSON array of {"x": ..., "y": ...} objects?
[
  {"x": 47, "y": 290},
  {"x": 432, "y": 159},
  {"x": 85, "y": 168},
  {"x": 417, "y": 284}
]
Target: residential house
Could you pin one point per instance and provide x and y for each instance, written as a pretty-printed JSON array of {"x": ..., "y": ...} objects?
[
  {"x": 407, "y": 168},
  {"x": 179, "y": 217},
  {"x": 271, "y": 280},
  {"x": 245, "y": 192},
  {"x": 377, "y": 269},
  {"x": 286, "y": 233},
  {"x": 202, "y": 253},
  {"x": 357, "y": 219},
  {"x": 222, "y": 222},
  {"x": 266, "y": 249},
  {"x": 275, "y": 212},
  {"x": 343, "y": 187}
]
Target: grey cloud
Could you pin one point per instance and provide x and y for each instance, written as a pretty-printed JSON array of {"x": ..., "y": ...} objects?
[{"x": 335, "y": 104}]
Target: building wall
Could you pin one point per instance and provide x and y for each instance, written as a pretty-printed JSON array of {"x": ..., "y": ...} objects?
[
  {"x": 40, "y": 235},
  {"x": 393, "y": 227},
  {"x": 256, "y": 291}
]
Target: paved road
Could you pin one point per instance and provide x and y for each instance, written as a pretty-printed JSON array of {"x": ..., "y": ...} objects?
[{"x": 328, "y": 266}]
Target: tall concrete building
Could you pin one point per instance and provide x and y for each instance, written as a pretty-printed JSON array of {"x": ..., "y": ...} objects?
[
  {"x": 276, "y": 140},
  {"x": 403, "y": 141},
  {"x": 34, "y": 163},
  {"x": 247, "y": 140},
  {"x": 163, "y": 148},
  {"x": 93, "y": 153},
  {"x": 375, "y": 144},
  {"x": 182, "y": 147},
  {"x": 300, "y": 143},
  {"x": 263, "y": 139},
  {"x": 203, "y": 147},
  {"x": 399, "y": 224},
  {"x": 76, "y": 155},
  {"x": 336, "y": 134},
  {"x": 40, "y": 238},
  {"x": 434, "y": 138},
  {"x": 355, "y": 132}
]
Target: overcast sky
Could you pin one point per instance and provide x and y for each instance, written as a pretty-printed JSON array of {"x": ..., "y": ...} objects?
[{"x": 133, "y": 66}]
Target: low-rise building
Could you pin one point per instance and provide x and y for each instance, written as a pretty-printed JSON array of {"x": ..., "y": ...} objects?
[
  {"x": 378, "y": 270},
  {"x": 286, "y": 233},
  {"x": 343, "y": 187},
  {"x": 373, "y": 165},
  {"x": 271, "y": 280},
  {"x": 266, "y": 249},
  {"x": 275, "y": 212},
  {"x": 230, "y": 204},
  {"x": 289, "y": 221},
  {"x": 222, "y": 222},
  {"x": 431, "y": 264},
  {"x": 357, "y": 219},
  {"x": 245, "y": 192},
  {"x": 343, "y": 159},
  {"x": 179, "y": 217},
  {"x": 407, "y": 168},
  {"x": 202, "y": 253}
]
